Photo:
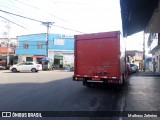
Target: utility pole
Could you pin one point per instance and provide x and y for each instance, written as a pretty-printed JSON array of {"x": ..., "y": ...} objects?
[
  {"x": 144, "y": 51},
  {"x": 7, "y": 37},
  {"x": 48, "y": 25}
]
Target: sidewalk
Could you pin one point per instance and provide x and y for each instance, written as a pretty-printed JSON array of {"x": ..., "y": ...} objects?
[
  {"x": 62, "y": 70},
  {"x": 147, "y": 73},
  {"x": 142, "y": 95}
]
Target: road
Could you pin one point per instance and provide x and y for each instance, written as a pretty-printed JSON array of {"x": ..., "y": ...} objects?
[{"x": 55, "y": 91}]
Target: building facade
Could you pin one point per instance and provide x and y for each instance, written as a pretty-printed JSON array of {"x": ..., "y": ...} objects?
[
  {"x": 154, "y": 49},
  {"x": 7, "y": 50},
  {"x": 34, "y": 47},
  {"x": 136, "y": 57}
]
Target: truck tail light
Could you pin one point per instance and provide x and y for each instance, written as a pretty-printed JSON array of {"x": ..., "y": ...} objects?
[{"x": 78, "y": 78}]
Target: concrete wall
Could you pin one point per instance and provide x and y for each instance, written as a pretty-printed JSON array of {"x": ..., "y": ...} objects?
[{"x": 156, "y": 64}]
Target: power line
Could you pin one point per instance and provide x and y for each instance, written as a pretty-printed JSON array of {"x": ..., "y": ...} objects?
[
  {"x": 38, "y": 21},
  {"x": 68, "y": 29},
  {"x": 18, "y": 20},
  {"x": 21, "y": 16},
  {"x": 11, "y": 7},
  {"x": 27, "y": 4},
  {"x": 39, "y": 9},
  {"x": 13, "y": 22}
]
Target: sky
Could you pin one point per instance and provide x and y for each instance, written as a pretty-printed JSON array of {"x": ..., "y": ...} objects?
[{"x": 69, "y": 17}]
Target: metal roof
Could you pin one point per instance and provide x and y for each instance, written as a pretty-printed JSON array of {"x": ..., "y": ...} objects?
[
  {"x": 136, "y": 15},
  {"x": 155, "y": 49}
]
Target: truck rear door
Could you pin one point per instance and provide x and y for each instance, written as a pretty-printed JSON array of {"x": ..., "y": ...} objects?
[{"x": 97, "y": 57}]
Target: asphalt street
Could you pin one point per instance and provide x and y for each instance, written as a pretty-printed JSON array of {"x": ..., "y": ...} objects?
[{"x": 55, "y": 91}]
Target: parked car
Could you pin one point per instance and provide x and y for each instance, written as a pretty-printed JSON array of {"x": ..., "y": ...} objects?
[
  {"x": 134, "y": 68},
  {"x": 2, "y": 67},
  {"x": 40, "y": 66},
  {"x": 26, "y": 66},
  {"x": 128, "y": 69}
]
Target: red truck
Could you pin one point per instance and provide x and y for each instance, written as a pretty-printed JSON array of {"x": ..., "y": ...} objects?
[{"x": 99, "y": 58}]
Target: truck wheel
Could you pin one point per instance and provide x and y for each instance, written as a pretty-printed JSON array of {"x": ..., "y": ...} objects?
[
  {"x": 85, "y": 83},
  {"x": 123, "y": 79},
  {"x": 88, "y": 84}
]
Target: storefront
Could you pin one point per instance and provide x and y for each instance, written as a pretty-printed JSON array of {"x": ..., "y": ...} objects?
[
  {"x": 58, "y": 61},
  {"x": 156, "y": 59},
  {"x": 62, "y": 59},
  {"x": 37, "y": 58},
  {"x": 31, "y": 58},
  {"x": 12, "y": 59}
]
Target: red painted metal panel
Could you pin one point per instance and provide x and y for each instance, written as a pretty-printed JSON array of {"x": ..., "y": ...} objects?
[
  {"x": 113, "y": 34},
  {"x": 97, "y": 54}
]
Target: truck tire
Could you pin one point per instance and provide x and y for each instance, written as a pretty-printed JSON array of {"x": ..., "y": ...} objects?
[
  {"x": 123, "y": 79},
  {"x": 88, "y": 84},
  {"x": 85, "y": 83}
]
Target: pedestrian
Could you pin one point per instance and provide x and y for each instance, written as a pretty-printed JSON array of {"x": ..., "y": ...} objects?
[{"x": 53, "y": 67}]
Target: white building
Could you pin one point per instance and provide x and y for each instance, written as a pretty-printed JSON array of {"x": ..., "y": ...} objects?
[{"x": 154, "y": 45}]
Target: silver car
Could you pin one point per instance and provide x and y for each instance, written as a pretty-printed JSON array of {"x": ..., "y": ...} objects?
[{"x": 134, "y": 68}]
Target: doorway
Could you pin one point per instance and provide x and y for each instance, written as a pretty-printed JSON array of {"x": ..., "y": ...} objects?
[{"x": 58, "y": 61}]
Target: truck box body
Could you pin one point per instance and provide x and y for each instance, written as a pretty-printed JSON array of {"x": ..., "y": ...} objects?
[{"x": 99, "y": 57}]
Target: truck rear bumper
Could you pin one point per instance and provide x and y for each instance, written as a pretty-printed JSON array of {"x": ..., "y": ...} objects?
[{"x": 97, "y": 80}]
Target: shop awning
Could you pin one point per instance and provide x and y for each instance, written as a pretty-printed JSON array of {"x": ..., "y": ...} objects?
[
  {"x": 136, "y": 15},
  {"x": 38, "y": 56}
]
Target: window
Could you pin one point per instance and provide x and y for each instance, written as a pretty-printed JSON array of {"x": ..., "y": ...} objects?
[
  {"x": 29, "y": 63},
  {"x": 12, "y": 44},
  {"x": 29, "y": 59},
  {"x": 25, "y": 45},
  {"x": 22, "y": 63},
  {"x": 58, "y": 41},
  {"x": 39, "y": 45}
]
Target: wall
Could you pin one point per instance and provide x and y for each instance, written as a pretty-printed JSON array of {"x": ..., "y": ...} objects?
[
  {"x": 68, "y": 60},
  {"x": 56, "y": 42},
  {"x": 32, "y": 41},
  {"x": 4, "y": 42},
  {"x": 61, "y": 42},
  {"x": 156, "y": 56}
]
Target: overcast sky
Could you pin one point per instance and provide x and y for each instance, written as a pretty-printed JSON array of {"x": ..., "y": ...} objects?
[{"x": 77, "y": 16}]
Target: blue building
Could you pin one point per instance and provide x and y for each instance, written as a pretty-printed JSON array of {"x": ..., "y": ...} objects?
[{"x": 33, "y": 48}]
